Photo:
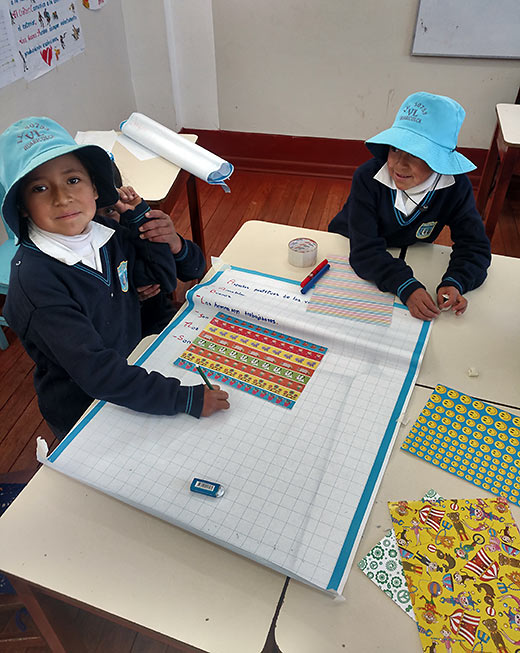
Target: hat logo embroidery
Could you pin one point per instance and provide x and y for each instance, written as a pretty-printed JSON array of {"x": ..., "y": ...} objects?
[
  {"x": 33, "y": 133},
  {"x": 411, "y": 112},
  {"x": 122, "y": 271}
]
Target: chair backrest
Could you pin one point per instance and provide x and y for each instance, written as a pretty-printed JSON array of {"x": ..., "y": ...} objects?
[{"x": 8, "y": 249}]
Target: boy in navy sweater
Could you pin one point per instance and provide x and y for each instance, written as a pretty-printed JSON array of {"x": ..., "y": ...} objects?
[
  {"x": 414, "y": 187},
  {"x": 157, "y": 308},
  {"x": 72, "y": 296}
]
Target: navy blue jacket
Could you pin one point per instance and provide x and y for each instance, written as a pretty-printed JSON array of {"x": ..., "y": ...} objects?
[
  {"x": 372, "y": 223},
  {"x": 79, "y": 325}
]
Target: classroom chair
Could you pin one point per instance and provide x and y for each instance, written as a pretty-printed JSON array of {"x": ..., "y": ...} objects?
[
  {"x": 20, "y": 635},
  {"x": 502, "y": 162},
  {"x": 7, "y": 251}
]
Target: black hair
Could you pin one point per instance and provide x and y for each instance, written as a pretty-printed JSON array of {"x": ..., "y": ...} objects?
[{"x": 118, "y": 181}]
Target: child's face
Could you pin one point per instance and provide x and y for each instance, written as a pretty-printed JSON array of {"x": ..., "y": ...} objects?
[
  {"x": 109, "y": 212},
  {"x": 59, "y": 196},
  {"x": 407, "y": 170}
]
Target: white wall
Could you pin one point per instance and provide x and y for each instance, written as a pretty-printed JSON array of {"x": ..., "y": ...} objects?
[
  {"x": 340, "y": 68},
  {"x": 90, "y": 91},
  {"x": 148, "y": 54}
]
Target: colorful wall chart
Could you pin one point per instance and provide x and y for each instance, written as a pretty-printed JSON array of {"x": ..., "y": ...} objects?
[
  {"x": 461, "y": 560},
  {"x": 262, "y": 362},
  {"x": 46, "y": 33},
  {"x": 471, "y": 439},
  {"x": 341, "y": 293}
]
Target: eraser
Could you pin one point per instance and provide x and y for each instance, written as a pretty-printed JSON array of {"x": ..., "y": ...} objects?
[
  {"x": 472, "y": 371},
  {"x": 208, "y": 488}
]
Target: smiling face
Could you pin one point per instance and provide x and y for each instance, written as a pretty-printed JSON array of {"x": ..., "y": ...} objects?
[
  {"x": 59, "y": 196},
  {"x": 406, "y": 170}
]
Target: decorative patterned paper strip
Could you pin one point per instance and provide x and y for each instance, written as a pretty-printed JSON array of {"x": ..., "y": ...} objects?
[
  {"x": 382, "y": 565},
  {"x": 265, "y": 363},
  {"x": 461, "y": 560},
  {"x": 471, "y": 439},
  {"x": 341, "y": 293}
]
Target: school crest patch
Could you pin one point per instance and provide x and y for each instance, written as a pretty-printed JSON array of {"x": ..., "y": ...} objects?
[
  {"x": 425, "y": 229},
  {"x": 122, "y": 271}
]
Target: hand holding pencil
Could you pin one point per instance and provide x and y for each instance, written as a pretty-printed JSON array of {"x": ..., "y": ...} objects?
[{"x": 214, "y": 398}]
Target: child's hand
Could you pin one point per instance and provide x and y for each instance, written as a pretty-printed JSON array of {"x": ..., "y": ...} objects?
[
  {"x": 422, "y": 306},
  {"x": 128, "y": 199},
  {"x": 160, "y": 229},
  {"x": 145, "y": 292},
  {"x": 450, "y": 297},
  {"x": 214, "y": 400}
]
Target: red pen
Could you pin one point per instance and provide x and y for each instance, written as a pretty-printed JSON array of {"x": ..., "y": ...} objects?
[{"x": 314, "y": 272}]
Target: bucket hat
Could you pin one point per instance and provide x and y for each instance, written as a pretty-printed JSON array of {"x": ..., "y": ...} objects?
[
  {"x": 426, "y": 126},
  {"x": 30, "y": 142}
]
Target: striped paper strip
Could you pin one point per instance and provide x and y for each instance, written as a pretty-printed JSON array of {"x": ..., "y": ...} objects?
[{"x": 341, "y": 293}]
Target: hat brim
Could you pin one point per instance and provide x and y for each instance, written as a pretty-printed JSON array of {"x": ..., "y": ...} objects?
[
  {"x": 98, "y": 163},
  {"x": 440, "y": 159}
]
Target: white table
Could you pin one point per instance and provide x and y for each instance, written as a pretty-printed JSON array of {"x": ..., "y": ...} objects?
[{"x": 89, "y": 548}]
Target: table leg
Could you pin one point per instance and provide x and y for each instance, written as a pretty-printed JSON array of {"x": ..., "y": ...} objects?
[
  {"x": 28, "y": 598},
  {"x": 498, "y": 194},
  {"x": 197, "y": 228},
  {"x": 488, "y": 174}
]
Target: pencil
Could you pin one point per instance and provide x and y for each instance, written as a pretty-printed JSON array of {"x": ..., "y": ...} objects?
[{"x": 204, "y": 377}]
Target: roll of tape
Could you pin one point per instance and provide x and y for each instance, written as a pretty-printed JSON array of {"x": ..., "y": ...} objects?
[{"x": 303, "y": 252}]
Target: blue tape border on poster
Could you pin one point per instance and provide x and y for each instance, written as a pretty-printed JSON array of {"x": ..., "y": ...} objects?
[
  {"x": 355, "y": 525},
  {"x": 189, "y": 296}
]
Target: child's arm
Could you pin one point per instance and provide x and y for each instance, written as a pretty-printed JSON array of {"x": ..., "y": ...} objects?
[
  {"x": 72, "y": 342},
  {"x": 471, "y": 252},
  {"x": 189, "y": 259}
]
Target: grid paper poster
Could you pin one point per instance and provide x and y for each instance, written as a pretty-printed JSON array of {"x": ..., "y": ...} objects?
[
  {"x": 382, "y": 564},
  {"x": 47, "y": 34},
  {"x": 471, "y": 439},
  {"x": 254, "y": 359},
  {"x": 341, "y": 293},
  {"x": 299, "y": 484},
  {"x": 462, "y": 566}
]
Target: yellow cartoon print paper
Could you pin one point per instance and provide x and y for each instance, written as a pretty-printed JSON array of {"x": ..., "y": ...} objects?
[{"x": 461, "y": 560}]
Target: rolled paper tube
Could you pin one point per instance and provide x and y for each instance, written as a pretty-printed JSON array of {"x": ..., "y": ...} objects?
[{"x": 174, "y": 148}]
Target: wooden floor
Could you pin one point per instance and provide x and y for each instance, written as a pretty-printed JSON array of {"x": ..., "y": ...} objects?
[{"x": 288, "y": 199}]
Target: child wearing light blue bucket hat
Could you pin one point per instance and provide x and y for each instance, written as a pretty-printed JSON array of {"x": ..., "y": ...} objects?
[
  {"x": 72, "y": 297},
  {"x": 413, "y": 187}
]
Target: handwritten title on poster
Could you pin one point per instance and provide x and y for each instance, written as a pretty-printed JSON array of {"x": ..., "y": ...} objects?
[{"x": 47, "y": 33}]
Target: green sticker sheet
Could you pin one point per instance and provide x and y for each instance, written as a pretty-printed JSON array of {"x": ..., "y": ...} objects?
[{"x": 382, "y": 564}]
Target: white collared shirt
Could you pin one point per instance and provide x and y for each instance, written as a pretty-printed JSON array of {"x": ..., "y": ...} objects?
[
  {"x": 70, "y": 250},
  {"x": 417, "y": 193}
]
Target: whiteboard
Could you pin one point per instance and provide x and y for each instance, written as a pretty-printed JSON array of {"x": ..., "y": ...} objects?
[{"x": 479, "y": 28}]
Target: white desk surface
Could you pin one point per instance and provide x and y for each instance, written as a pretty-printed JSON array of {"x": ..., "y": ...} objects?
[
  {"x": 151, "y": 178},
  {"x": 368, "y": 621},
  {"x": 486, "y": 337},
  {"x": 87, "y": 546},
  {"x": 509, "y": 119}
]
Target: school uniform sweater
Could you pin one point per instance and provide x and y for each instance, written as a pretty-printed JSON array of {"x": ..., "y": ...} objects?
[
  {"x": 372, "y": 223},
  {"x": 79, "y": 325}
]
